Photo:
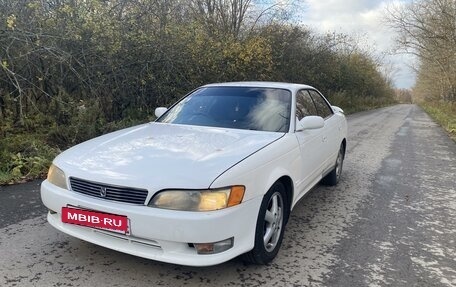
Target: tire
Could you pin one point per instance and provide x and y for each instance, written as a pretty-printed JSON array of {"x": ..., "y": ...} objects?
[
  {"x": 270, "y": 226},
  {"x": 333, "y": 177}
]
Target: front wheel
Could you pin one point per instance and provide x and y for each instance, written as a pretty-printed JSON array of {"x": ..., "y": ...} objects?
[{"x": 270, "y": 226}]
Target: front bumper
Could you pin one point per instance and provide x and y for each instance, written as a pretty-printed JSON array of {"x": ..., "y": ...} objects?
[{"x": 159, "y": 234}]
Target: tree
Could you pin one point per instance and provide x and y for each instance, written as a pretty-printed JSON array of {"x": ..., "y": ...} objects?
[
  {"x": 224, "y": 17},
  {"x": 427, "y": 29}
]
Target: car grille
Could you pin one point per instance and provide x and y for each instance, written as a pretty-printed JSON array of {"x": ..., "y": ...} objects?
[{"x": 115, "y": 193}]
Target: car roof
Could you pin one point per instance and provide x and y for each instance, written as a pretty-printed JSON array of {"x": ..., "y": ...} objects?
[{"x": 276, "y": 85}]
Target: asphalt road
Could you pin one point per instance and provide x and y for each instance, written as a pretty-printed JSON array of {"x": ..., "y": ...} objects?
[{"x": 390, "y": 222}]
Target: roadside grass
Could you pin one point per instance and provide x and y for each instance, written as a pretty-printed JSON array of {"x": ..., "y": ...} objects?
[
  {"x": 443, "y": 113},
  {"x": 5, "y": 178},
  {"x": 24, "y": 157}
]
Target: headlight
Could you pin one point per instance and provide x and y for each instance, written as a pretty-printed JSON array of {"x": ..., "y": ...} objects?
[
  {"x": 198, "y": 200},
  {"x": 57, "y": 177}
]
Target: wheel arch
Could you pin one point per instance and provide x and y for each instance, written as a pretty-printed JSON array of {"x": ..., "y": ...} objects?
[
  {"x": 288, "y": 183},
  {"x": 344, "y": 144}
]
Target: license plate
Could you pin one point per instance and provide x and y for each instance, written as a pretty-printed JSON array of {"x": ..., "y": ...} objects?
[{"x": 95, "y": 219}]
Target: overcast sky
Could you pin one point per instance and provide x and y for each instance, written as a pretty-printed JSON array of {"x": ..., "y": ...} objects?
[{"x": 364, "y": 20}]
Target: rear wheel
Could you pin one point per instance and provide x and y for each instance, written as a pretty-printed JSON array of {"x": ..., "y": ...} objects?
[
  {"x": 333, "y": 177},
  {"x": 270, "y": 226}
]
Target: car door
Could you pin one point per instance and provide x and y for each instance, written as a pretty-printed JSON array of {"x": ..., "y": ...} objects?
[
  {"x": 330, "y": 133},
  {"x": 310, "y": 142}
]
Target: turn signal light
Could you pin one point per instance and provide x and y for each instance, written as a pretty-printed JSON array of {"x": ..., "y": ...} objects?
[{"x": 236, "y": 195}]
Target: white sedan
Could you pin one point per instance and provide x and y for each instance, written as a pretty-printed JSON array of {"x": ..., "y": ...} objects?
[{"x": 214, "y": 177}]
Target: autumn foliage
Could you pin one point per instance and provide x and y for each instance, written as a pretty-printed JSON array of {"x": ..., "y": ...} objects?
[{"x": 73, "y": 69}]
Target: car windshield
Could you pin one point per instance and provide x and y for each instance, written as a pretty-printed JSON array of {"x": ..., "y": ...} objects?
[{"x": 251, "y": 108}]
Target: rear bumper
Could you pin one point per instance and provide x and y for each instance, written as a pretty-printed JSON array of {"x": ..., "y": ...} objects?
[{"x": 158, "y": 234}]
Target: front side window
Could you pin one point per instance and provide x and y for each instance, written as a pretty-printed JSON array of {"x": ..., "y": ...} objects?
[
  {"x": 251, "y": 108},
  {"x": 323, "y": 109},
  {"x": 304, "y": 105}
]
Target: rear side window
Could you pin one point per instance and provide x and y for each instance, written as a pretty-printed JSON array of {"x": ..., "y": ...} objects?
[
  {"x": 323, "y": 109},
  {"x": 304, "y": 105}
]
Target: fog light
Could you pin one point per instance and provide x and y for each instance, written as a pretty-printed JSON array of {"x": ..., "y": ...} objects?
[{"x": 214, "y": 247}]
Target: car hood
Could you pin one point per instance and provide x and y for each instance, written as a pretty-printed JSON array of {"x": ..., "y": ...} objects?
[{"x": 158, "y": 156}]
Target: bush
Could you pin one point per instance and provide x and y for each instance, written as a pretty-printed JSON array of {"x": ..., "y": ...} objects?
[
  {"x": 354, "y": 103},
  {"x": 75, "y": 122}
]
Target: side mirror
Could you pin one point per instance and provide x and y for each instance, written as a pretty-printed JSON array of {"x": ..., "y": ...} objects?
[
  {"x": 337, "y": 109},
  {"x": 160, "y": 111},
  {"x": 310, "y": 123}
]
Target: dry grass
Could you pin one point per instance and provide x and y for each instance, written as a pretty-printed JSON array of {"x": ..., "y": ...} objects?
[{"x": 444, "y": 113}]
